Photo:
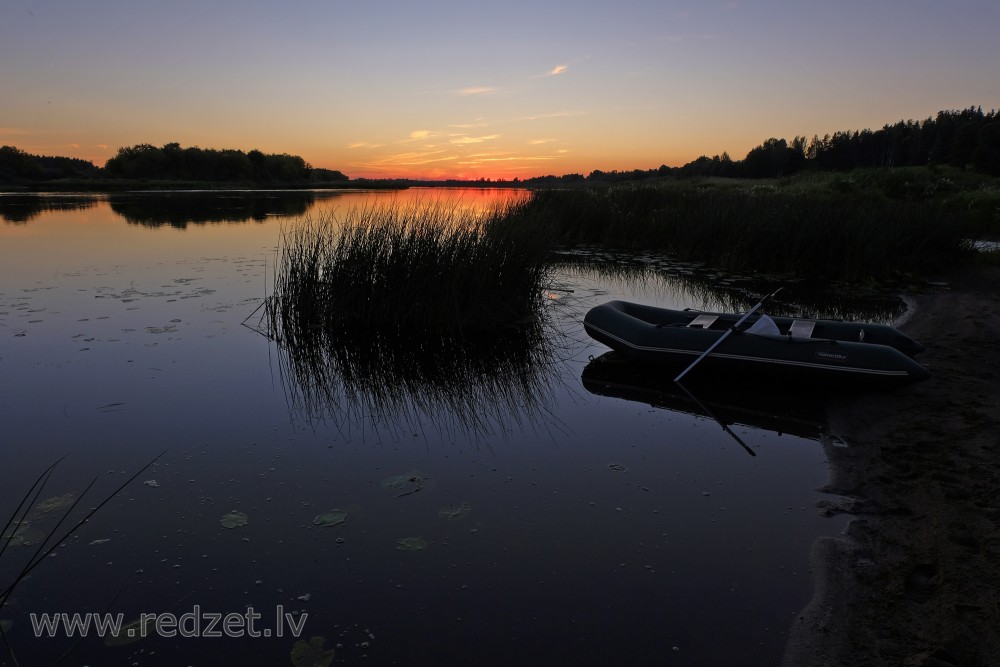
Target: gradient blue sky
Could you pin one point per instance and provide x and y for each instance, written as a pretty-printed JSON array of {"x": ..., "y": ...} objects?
[{"x": 470, "y": 89}]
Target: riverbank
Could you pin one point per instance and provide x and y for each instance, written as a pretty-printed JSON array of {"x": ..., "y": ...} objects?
[{"x": 914, "y": 581}]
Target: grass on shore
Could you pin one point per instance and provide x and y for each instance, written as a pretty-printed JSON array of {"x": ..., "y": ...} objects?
[{"x": 835, "y": 228}]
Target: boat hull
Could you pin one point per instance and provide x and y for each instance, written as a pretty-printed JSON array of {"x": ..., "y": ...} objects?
[{"x": 661, "y": 336}]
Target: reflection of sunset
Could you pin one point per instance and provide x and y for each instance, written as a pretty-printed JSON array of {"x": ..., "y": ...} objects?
[{"x": 424, "y": 92}]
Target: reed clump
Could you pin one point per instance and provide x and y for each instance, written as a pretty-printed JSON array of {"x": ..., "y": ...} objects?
[{"x": 422, "y": 271}]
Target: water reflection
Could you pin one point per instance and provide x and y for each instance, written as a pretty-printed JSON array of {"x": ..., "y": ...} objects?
[
  {"x": 772, "y": 408},
  {"x": 24, "y": 208},
  {"x": 691, "y": 282},
  {"x": 397, "y": 384},
  {"x": 179, "y": 209}
]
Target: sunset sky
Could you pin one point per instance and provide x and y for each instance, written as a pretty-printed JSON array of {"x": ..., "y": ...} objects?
[{"x": 472, "y": 89}]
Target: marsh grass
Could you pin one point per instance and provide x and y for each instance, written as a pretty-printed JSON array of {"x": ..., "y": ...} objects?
[
  {"x": 424, "y": 270},
  {"x": 395, "y": 315},
  {"x": 812, "y": 230}
]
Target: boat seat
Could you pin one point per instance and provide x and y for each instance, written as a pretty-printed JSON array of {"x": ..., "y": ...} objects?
[
  {"x": 703, "y": 321},
  {"x": 802, "y": 328}
]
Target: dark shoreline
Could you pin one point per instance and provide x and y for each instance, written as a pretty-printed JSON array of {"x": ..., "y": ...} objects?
[{"x": 914, "y": 581}]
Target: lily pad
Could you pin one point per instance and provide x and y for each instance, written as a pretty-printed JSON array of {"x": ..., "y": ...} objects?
[
  {"x": 54, "y": 504},
  {"x": 234, "y": 520},
  {"x": 311, "y": 653},
  {"x": 25, "y": 536},
  {"x": 131, "y": 632},
  {"x": 412, "y": 544},
  {"x": 405, "y": 484},
  {"x": 455, "y": 512},
  {"x": 331, "y": 518}
]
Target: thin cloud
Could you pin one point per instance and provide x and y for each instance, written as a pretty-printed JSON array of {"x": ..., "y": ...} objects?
[
  {"x": 410, "y": 159},
  {"x": 558, "y": 69},
  {"x": 420, "y": 134},
  {"x": 555, "y": 114},
  {"x": 463, "y": 140},
  {"x": 476, "y": 90}
]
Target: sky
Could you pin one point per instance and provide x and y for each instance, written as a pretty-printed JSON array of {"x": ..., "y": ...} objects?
[{"x": 468, "y": 89}]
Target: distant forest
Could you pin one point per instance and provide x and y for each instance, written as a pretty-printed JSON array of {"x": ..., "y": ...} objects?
[
  {"x": 168, "y": 163},
  {"x": 966, "y": 139}
]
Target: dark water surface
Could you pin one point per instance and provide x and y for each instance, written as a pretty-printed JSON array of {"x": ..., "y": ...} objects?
[{"x": 561, "y": 519}]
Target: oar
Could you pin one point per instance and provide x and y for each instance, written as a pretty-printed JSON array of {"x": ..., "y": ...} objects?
[
  {"x": 726, "y": 335},
  {"x": 719, "y": 421}
]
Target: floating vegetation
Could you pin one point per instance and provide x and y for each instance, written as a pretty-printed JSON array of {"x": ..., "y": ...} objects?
[
  {"x": 412, "y": 544},
  {"x": 234, "y": 519},
  {"x": 25, "y": 536},
  {"x": 131, "y": 632},
  {"x": 311, "y": 653},
  {"x": 406, "y": 484},
  {"x": 54, "y": 504},
  {"x": 617, "y": 467},
  {"x": 331, "y": 518},
  {"x": 455, "y": 512}
]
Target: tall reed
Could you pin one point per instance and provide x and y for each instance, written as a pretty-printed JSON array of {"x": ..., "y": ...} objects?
[{"x": 420, "y": 270}]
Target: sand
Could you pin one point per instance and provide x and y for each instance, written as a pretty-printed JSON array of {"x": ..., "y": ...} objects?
[{"x": 915, "y": 581}]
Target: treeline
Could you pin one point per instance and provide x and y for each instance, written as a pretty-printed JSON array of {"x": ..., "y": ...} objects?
[
  {"x": 170, "y": 162},
  {"x": 16, "y": 165},
  {"x": 966, "y": 139},
  {"x": 173, "y": 163}
]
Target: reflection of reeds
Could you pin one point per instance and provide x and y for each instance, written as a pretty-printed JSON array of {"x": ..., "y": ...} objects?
[
  {"x": 473, "y": 384},
  {"x": 710, "y": 290},
  {"x": 397, "y": 314}
]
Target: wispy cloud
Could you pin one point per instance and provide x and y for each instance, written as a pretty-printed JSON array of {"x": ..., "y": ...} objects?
[
  {"x": 467, "y": 126},
  {"x": 554, "y": 114},
  {"x": 411, "y": 159},
  {"x": 476, "y": 90},
  {"x": 364, "y": 144},
  {"x": 464, "y": 139},
  {"x": 420, "y": 134},
  {"x": 558, "y": 69}
]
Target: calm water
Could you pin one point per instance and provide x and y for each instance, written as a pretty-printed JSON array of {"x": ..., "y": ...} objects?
[{"x": 561, "y": 519}]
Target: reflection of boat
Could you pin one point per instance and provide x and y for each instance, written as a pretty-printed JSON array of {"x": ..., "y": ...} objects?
[
  {"x": 765, "y": 407},
  {"x": 828, "y": 351}
]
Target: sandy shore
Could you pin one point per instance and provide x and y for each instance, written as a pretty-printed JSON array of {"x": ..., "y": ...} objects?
[{"x": 916, "y": 581}]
